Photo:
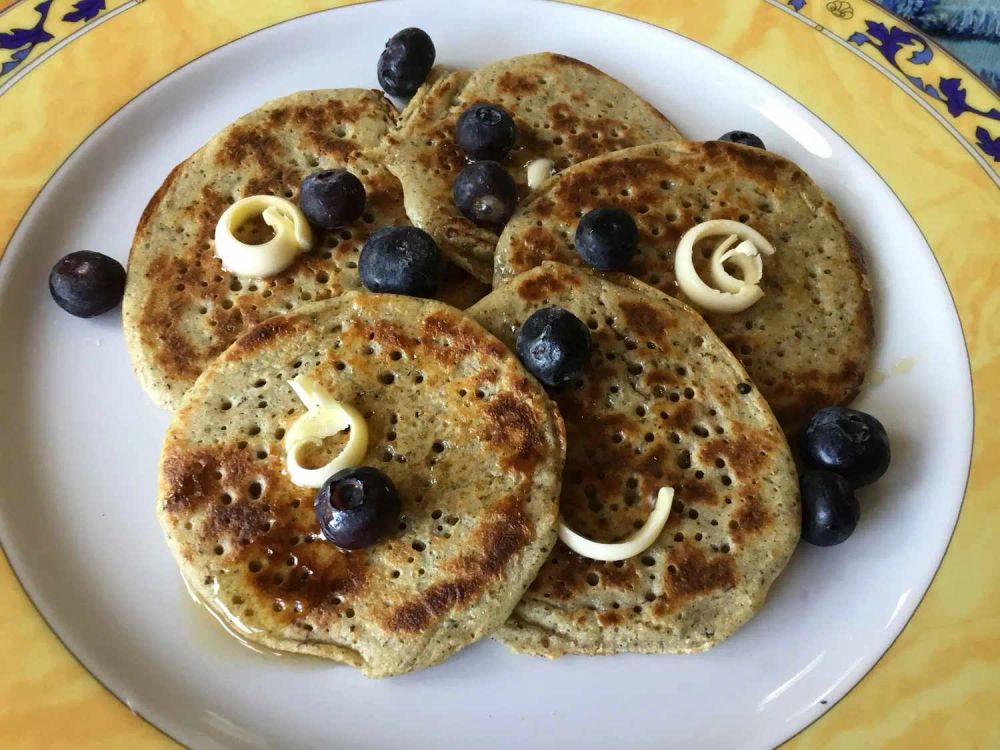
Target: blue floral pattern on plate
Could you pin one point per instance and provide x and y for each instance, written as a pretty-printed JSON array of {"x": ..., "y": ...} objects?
[
  {"x": 22, "y": 41},
  {"x": 989, "y": 144},
  {"x": 890, "y": 41},
  {"x": 84, "y": 10}
]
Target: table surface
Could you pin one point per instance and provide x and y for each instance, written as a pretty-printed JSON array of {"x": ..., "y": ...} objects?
[{"x": 939, "y": 684}]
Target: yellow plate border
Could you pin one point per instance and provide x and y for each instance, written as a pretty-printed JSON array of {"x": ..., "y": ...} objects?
[{"x": 934, "y": 686}]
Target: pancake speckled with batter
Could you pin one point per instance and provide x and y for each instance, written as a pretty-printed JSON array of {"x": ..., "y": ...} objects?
[
  {"x": 470, "y": 440},
  {"x": 662, "y": 402},
  {"x": 181, "y": 308},
  {"x": 565, "y": 110},
  {"x": 807, "y": 344}
]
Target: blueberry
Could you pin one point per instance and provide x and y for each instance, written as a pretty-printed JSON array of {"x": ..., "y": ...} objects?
[
  {"x": 356, "y": 507},
  {"x": 743, "y": 138},
  {"x": 405, "y": 62},
  {"x": 332, "y": 198},
  {"x": 86, "y": 284},
  {"x": 401, "y": 260},
  {"x": 554, "y": 345},
  {"x": 848, "y": 442},
  {"x": 486, "y": 131},
  {"x": 485, "y": 193},
  {"x": 607, "y": 238},
  {"x": 830, "y": 511}
]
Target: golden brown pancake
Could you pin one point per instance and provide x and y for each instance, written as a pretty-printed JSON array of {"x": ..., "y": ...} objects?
[
  {"x": 661, "y": 403},
  {"x": 181, "y": 307},
  {"x": 565, "y": 110},
  {"x": 808, "y": 342},
  {"x": 469, "y": 439}
]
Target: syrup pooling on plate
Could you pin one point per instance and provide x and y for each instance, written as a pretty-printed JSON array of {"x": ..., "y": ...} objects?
[{"x": 227, "y": 616}]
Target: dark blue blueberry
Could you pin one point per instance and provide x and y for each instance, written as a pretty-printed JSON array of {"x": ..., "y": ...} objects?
[
  {"x": 743, "y": 138},
  {"x": 332, "y": 198},
  {"x": 486, "y": 194},
  {"x": 401, "y": 260},
  {"x": 405, "y": 62},
  {"x": 849, "y": 442},
  {"x": 356, "y": 507},
  {"x": 86, "y": 284},
  {"x": 486, "y": 131},
  {"x": 830, "y": 511},
  {"x": 607, "y": 238},
  {"x": 554, "y": 345}
]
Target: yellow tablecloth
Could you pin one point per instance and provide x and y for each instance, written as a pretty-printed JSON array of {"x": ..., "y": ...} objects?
[{"x": 938, "y": 686}]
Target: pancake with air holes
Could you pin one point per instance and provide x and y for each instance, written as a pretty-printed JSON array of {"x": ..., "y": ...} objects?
[
  {"x": 808, "y": 342},
  {"x": 181, "y": 307},
  {"x": 661, "y": 403},
  {"x": 565, "y": 111},
  {"x": 472, "y": 443}
]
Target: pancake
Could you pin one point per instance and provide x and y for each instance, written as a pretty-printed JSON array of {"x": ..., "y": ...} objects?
[
  {"x": 181, "y": 309},
  {"x": 808, "y": 342},
  {"x": 662, "y": 402},
  {"x": 565, "y": 110},
  {"x": 469, "y": 439}
]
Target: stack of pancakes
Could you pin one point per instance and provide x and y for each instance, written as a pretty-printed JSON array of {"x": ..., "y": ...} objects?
[{"x": 485, "y": 459}]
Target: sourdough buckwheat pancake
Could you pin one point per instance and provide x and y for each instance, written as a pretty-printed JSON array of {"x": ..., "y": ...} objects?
[
  {"x": 181, "y": 308},
  {"x": 808, "y": 342},
  {"x": 470, "y": 440},
  {"x": 565, "y": 110},
  {"x": 662, "y": 402}
]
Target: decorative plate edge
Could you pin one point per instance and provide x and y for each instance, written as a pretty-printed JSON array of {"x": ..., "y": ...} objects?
[{"x": 942, "y": 83}]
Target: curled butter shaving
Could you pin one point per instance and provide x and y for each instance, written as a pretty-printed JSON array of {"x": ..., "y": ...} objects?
[
  {"x": 292, "y": 235},
  {"x": 325, "y": 416},
  {"x": 732, "y": 294},
  {"x": 636, "y": 544}
]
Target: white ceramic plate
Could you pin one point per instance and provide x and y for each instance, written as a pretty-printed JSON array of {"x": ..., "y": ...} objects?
[{"x": 80, "y": 440}]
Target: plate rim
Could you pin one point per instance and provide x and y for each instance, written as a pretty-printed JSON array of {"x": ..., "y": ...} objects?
[{"x": 351, "y": 3}]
